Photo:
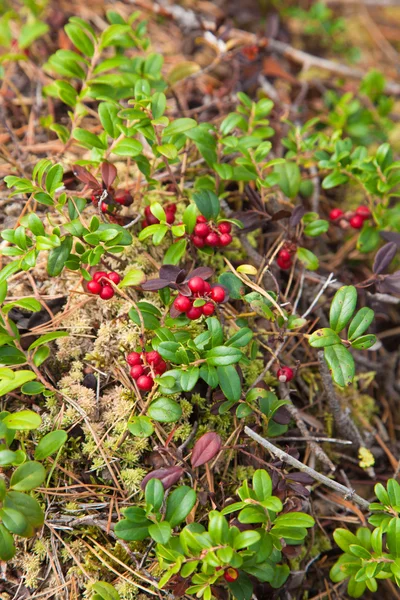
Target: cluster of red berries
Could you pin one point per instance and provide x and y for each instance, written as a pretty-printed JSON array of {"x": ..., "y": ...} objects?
[
  {"x": 143, "y": 366},
  {"x": 150, "y": 219},
  {"x": 284, "y": 260},
  {"x": 356, "y": 219},
  {"x": 100, "y": 284},
  {"x": 285, "y": 374},
  {"x": 199, "y": 289},
  {"x": 208, "y": 234}
]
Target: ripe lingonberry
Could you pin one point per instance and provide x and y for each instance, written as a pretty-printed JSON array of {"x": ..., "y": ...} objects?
[
  {"x": 182, "y": 303},
  {"x": 208, "y": 309},
  {"x": 169, "y": 217},
  {"x": 153, "y": 357},
  {"x": 231, "y": 574},
  {"x": 160, "y": 367},
  {"x": 202, "y": 230},
  {"x": 170, "y": 207},
  {"x": 364, "y": 212},
  {"x": 104, "y": 207},
  {"x": 152, "y": 220},
  {"x": 136, "y": 371},
  {"x": 196, "y": 285},
  {"x": 335, "y": 214},
  {"x": 225, "y": 239},
  {"x": 201, "y": 219},
  {"x": 212, "y": 239},
  {"x": 99, "y": 275},
  {"x": 145, "y": 383},
  {"x": 94, "y": 287},
  {"x": 114, "y": 277},
  {"x": 207, "y": 288},
  {"x": 225, "y": 227},
  {"x": 283, "y": 264},
  {"x": 356, "y": 222},
  {"x": 194, "y": 313},
  {"x": 285, "y": 374},
  {"x": 133, "y": 359},
  {"x": 123, "y": 197},
  {"x": 106, "y": 293},
  {"x": 198, "y": 241},
  {"x": 285, "y": 255},
  {"x": 218, "y": 294}
]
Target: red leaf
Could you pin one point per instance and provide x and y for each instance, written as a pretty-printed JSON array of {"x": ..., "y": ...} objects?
[
  {"x": 206, "y": 448},
  {"x": 167, "y": 476},
  {"x": 83, "y": 175},
  {"x": 108, "y": 173}
]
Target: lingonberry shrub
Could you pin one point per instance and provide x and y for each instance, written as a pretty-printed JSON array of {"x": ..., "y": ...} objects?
[{"x": 213, "y": 242}]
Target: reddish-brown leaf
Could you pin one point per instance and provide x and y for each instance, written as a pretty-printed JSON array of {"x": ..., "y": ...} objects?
[
  {"x": 108, "y": 174},
  {"x": 206, "y": 448},
  {"x": 167, "y": 476}
]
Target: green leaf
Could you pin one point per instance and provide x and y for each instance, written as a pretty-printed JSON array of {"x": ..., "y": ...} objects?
[
  {"x": 242, "y": 588},
  {"x": 80, "y": 39},
  {"x": 241, "y": 338},
  {"x": 113, "y": 34},
  {"x": 245, "y": 539},
  {"x": 133, "y": 277},
  {"x": 27, "y": 505},
  {"x": 189, "y": 378},
  {"x": 31, "y": 32},
  {"x": 316, "y": 228},
  {"x": 323, "y": 337},
  {"x": 364, "y": 342},
  {"x": 229, "y": 382},
  {"x": 221, "y": 356},
  {"x": 175, "y": 252},
  {"x": 20, "y": 377},
  {"x": 334, "y": 179},
  {"x": 294, "y": 519},
  {"x": 26, "y": 303},
  {"x": 189, "y": 218},
  {"x": 14, "y": 521},
  {"x": 160, "y": 532},
  {"x": 308, "y": 258},
  {"x": 179, "y": 505},
  {"x": 158, "y": 104},
  {"x": 9, "y": 355},
  {"x": 157, "y": 210},
  {"x": 128, "y": 147},
  {"x": 27, "y": 477},
  {"x": 7, "y": 548},
  {"x": 340, "y": 363},
  {"x": 208, "y": 203},
  {"x": 105, "y": 591},
  {"x": 140, "y": 426},
  {"x": 23, "y": 420},
  {"x": 368, "y": 239},
  {"x": 50, "y": 444},
  {"x": 360, "y": 323},
  {"x": 108, "y": 114},
  {"x": 58, "y": 257},
  {"x": 87, "y": 139},
  {"x": 342, "y": 307},
  {"x": 179, "y": 126},
  {"x": 165, "y": 410},
  {"x": 48, "y": 337},
  {"x": 132, "y": 531},
  {"x": 262, "y": 485},
  {"x": 289, "y": 178},
  {"x": 154, "y": 493},
  {"x": 235, "y": 286}
]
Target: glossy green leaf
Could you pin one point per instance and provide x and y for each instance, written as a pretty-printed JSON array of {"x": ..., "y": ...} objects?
[
  {"x": 50, "y": 444},
  {"x": 340, "y": 363},
  {"x": 342, "y": 307}
]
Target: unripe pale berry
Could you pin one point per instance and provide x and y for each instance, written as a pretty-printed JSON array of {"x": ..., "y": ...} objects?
[
  {"x": 133, "y": 359},
  {"x": 225, "y": 239},
  {"x": 218, "y": 294},
  {"x": 196, "y": 285},
  {"x": 364, "y": 212},
  {"x": 194, "y": 313},
  {"x": 136, "y": 371},
  {"x": 94, "y": 287},
  {"x": 285, "y": 374},
  {"x": 182, "y": 303},
  {"x": 202, "y": 230},
  {"x": 153, "y": 357},
  {"x": 225, "y": 227},
  {"x": 335, "y": 214},
  {"x": 114, "y": 277},
  {"x": 106, "y": 293},
  {"x": 231, "y": 574},
  {"x": 356, "y": 222},
  {"x": 208, "y": 309},
  {"x": 145, "y": 383}
]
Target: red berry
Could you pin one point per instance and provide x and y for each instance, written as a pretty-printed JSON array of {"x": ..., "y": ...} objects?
[
  {"x": 145, "y": 224},
  {"x": 152, "y": 220},
  {"x": 285, "y": 255},
  {"x": 196, "y": 285},
  {"x": 356, "y": 222},
  {"x": 207, "y": 288},
  {"x": 197, "y": 241},
  {"x": 160, "y": 367},
  {"x": 169, "y": 217},
  {"x": 225, "y": 227},
  {"x": 208, "y": 309},
  {"x": 114, "y": 277},
  {"x": 201, "y": 219},
  {"x": 283, "y": 264},
  {"x": 225, "y": 239},
  {"x": 218, "y": 294},
  {"x": 363, "y": 211},
  {"x": 182, "y": 303},
  {"x": 202, "y": 230},
  {"x": 123, "y": 198},
  {"x": 104, "y": 207},
  {"x": 145, "y": 383},
  {"x": 99, "y": 275},
  {"x": 133, "y": 359},
  {"x": 194, "y": 313},
  {"x": 94, "y": 287},
  {"x": 153, "y": 357},
  {"x": 106, "y": 293},
  {"x": 212, "y": 239},
  {"x": 231, "y": 574},
  {"x": 285, "y": 374},
  {"x": 171, "y": 207},
  {"x": 147, "y": 211},
  {"x": 136, "y": 371},
  {"x": 335, "y": 214}
]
